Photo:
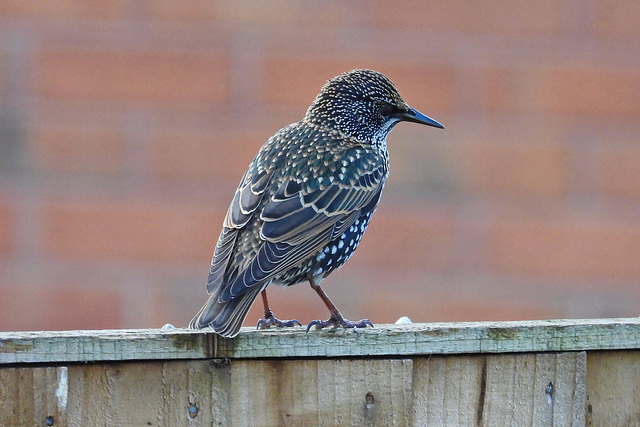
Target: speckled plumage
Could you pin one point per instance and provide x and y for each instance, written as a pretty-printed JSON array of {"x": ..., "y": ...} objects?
[{"x": 306, "y": 199}]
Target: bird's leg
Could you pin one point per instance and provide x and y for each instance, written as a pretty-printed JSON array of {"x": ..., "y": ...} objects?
[
  {"x": 271, "y": 320},
  {"x": 336, "y": 319}
]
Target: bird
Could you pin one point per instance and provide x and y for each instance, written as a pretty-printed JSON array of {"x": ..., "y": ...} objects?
[{"x": 305, "y": 201}]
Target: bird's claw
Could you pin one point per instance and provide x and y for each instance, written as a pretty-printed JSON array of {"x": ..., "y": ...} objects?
[
  {"x": 334, "y": 323},
  {"x": 274, "y": 321}
]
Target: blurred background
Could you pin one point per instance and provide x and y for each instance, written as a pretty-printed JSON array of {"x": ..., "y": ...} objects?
[{"x": 125, "y": 127}]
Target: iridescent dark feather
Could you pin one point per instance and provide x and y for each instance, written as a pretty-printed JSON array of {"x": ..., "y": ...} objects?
[{"x": 307, "y": 197}]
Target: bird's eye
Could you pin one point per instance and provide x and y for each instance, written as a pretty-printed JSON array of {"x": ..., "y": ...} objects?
[{"x": 387, "y": 109}]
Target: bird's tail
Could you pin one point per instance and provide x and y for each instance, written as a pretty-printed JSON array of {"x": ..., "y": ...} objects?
[{"x": 225, "y": 318}]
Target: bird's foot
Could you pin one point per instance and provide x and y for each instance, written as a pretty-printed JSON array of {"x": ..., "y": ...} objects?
[
  {"x": 272, "y": 320},
  {"x": 334, "y": 322}
]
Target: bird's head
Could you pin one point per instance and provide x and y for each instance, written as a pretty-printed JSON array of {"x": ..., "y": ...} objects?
[{"x": 365, "y": 105}]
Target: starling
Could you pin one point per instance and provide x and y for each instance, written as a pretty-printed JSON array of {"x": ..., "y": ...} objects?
[{"x": 305, "y": 201}]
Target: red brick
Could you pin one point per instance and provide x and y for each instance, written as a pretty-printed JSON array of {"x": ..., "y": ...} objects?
[
  {"x": 619, "y": 170},
  {"x": 6, "y": 221},
  {"x": 131, "y": 230},
  {"x": 529, "y": 167},
  {"x": 616, "y": 18},
  {"x": 384, "y": 297},
  {"x": 580, "y": 248},
  {"x": 189, "y": 10},
  {"x": 132, "y": 76},
  {"x": 496, "y": 87},
  {"x": 427, "y": 87},
  {"x": 248, "y": 13},
  {"x": 590, "y": 89},
  {"x": 55, "y": 306},
  {"x": 78, "y": 148},
  {"x": 405, "y": 239},
  {"x": 459, "y": 308},
  {"x": 283, "y": 12},
  {"x": 205, "y": 155},
  {"x": 420, "y": 160},
  {"x": 499, "y": 88},
  {"x": 57, "y": 9},
  {"x": 296, "y": 81},
  {"x": 486, "y": 16},
  {"x": 3, "y": 76}
]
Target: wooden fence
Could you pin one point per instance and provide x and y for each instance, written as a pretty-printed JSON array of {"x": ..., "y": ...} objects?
[{"x": 538, "y": 373}]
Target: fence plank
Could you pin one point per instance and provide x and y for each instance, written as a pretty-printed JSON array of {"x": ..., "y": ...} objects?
[
  {"x": 29, "y": 395},
  {"x": 500, "y": 390},
  {"x": 322, "y": 392},
  {"x": 175, "y": 393},
  {"x": 536, "y": 389},
  {"x": 116, "y": 394},
  {"x": 446, "y": 390},
  {"x": 613, "y": 387}
]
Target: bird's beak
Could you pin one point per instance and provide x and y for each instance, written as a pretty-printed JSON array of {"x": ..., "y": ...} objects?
[{"x": 416, "y": 116}]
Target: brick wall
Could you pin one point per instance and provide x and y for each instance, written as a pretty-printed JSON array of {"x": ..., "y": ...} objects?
[{"x": 125, "y": 127}]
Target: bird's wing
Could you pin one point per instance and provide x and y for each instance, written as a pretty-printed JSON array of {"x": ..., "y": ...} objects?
[
  {"x": 246, "y": 200},
  {"x": 299, "y": 220}
]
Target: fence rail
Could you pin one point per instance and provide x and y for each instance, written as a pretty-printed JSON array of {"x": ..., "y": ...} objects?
[{"x": 554, "y": 372}]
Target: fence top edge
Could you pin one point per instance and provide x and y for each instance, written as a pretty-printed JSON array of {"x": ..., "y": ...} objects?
[
  {"x": 382, "y": 340},
  {"x": 407, "y": 327}
]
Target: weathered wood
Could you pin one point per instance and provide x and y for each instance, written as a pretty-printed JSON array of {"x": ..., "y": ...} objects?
[
  {"x": 423, "y": 391},
  {"x": 105, "y": 345},
  {"x": 181, "y": 393},
  {"x": 613, "y": 388},
  {"x": 459, "y": 374},
  {"x": 322, "y": 392},
  {"x": 505, "y": 390},
  {"x": 383, "y": 340},
  {"x": 29, "y": 395}
]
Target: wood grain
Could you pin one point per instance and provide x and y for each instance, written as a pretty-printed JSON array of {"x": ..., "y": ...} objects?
[
  {"x": 478, "y": 374},
  {"x": 613, "y": 388},
  {"x": 383, "y": 340}
]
